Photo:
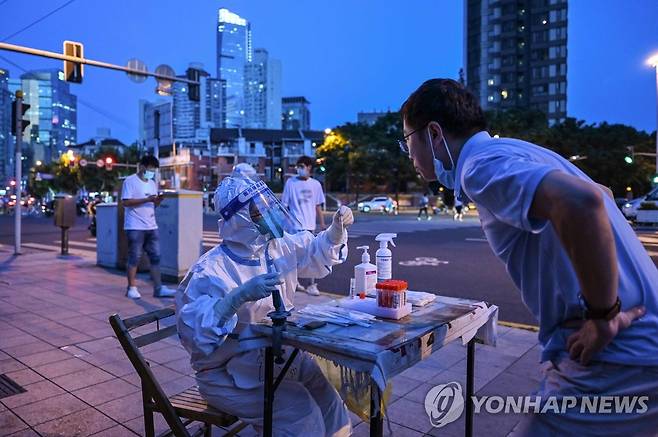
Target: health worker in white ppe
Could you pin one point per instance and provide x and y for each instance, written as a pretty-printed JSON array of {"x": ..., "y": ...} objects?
[{"x": 230, "y": 287}]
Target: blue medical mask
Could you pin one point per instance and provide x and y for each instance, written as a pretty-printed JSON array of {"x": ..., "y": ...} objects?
[
  {"x": 149, "y": 175},
  {"x": 302, "y": 172},
  {"x": 445, "y": 177}
]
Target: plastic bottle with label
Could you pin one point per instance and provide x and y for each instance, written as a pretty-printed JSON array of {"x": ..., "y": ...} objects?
[
  {"x": 384, "y": 256},
  {"x": 365, "y": 274}
]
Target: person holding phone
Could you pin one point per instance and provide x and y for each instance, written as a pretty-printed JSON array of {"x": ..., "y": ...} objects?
[{"x": 140, "y": 197}]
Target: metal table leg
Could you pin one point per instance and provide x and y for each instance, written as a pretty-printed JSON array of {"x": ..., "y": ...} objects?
[
  {"x": 269, "y": 392},
  {"x": 376, "y": 418},
  {"x": 470, "y": 386}
]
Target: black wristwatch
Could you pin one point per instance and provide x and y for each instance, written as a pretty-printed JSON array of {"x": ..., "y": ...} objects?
[{"x": 605, "y": 314}]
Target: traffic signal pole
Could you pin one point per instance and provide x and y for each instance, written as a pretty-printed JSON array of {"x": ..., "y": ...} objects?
[
  {"x": 19, "y": 171},
  {"x": 86, "y": 61}
]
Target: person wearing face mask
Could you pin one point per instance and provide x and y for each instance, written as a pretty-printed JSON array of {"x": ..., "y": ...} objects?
[
  {"x": 139, "y": 197},
  {"x": 304, "y": 197},
  {"x": 580, "y": 267},
  {"x": 263, "y": 248}
]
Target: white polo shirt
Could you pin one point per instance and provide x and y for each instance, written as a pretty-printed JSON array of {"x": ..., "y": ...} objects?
[{"x": 501, "y": 175}]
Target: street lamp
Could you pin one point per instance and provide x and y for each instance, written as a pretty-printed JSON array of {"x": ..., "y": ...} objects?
[{"x": 653, "y": 61}]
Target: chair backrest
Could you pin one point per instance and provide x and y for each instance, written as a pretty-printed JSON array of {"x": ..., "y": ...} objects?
[{"x": 151, "y": 390}]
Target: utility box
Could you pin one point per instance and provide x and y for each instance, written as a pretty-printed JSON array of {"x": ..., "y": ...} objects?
[
  {"x": 107, "y": 235},
  {"x": 180, "y": 221},
  {"x": 64, "y": 211}
]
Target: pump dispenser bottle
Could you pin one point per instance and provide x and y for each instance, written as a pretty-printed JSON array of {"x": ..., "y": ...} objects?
[
  {"x": 384, "y": 257},
  {"x": 365, "y": 274}
]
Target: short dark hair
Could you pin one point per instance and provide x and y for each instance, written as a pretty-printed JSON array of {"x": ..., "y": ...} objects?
[
  {"x": 448, "y": 103},
  {"x": 306, "y": 160},
  {"x": 149, "y": 161}
]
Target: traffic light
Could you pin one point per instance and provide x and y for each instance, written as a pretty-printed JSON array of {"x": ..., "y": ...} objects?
[
  {"x": 630, "y": 156},
  {"x": 14, "y": 111},
  {"x": 73, "y": 71},
  {"x": 108, "y": 163},
  {"x": 193, "y": 92},
  {"x": 654, "y": 179}
]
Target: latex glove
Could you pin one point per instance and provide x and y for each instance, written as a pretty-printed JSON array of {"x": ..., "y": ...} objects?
[
  {"x": 254, "y": 289},
  {"x": 342, "y": 219}
]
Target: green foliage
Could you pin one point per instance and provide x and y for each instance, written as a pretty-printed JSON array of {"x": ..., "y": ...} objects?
[
  {"x": 70, "y": 176},
  {"x": 605, "y": 146},
  {"x": 366, "y": 156}
]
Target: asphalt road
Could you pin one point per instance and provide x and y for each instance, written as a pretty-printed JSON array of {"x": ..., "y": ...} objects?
[{"x": 439, "y": 256}]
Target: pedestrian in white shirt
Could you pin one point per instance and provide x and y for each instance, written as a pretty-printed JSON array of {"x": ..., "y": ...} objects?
[
  {"x": 580, "y": 267},
  {"x": 304, "y": 197},
  {"x": 140, "y": 197}
]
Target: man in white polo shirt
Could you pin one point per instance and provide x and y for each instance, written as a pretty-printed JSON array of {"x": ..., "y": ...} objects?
[
  {"x": 139, "y": 197},
  {"x": 580, "y": 268},
  {"x": 303, "y": 196}
]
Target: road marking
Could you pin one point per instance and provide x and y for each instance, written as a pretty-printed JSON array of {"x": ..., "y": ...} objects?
[
  {"x": 479, "y": 240},
  {"x": 533, "y": 328},
  {"x": 423, "y": 261},
  {"x": 57, "y": 248}
]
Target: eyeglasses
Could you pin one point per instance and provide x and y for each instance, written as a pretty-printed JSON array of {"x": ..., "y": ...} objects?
[{"x": 404, "y": 146}]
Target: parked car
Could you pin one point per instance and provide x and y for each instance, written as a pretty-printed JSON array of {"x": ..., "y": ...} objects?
[
  {"x": 630, "y": 208},
  {"x": 381, "y": 204}
]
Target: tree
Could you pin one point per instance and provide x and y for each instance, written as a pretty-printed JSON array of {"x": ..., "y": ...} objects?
[
  {"x": 358, "y": 157},
  {"x": 598, "y": 150}
]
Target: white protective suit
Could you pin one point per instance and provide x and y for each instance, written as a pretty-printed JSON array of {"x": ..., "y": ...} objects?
[{"x": 229, "y": 357}]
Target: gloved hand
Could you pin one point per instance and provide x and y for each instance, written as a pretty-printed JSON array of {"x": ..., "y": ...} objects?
[
  {"x": 342, "y": 219},
  {"x": 254, "y": 289}
]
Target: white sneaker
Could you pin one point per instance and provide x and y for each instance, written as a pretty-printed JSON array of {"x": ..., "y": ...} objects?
[
  {"x": 300, "y": 287},
  {"x": 313, "y": 290},
  {"x": 164, "y": 292},
  {"x": 133, "y": 293}
]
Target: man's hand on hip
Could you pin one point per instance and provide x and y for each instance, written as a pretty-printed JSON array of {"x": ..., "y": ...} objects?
[{"x": 595, "y": 334}]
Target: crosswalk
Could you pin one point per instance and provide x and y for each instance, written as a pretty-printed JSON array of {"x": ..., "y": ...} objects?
[
  {"x": 87, "y": 247},
  {"x": 406, "y": 225}
]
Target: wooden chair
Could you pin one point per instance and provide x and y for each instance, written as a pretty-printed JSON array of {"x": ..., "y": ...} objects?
[{"x": 179, "y": 410}]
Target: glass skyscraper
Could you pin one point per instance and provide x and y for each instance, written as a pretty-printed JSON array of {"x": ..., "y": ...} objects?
[
  {"x": 233, "y": 51},
  {"x": 52, "y": 115},
  {"x": 6, "y": 149},
  {"x": 262, "y": 92}
]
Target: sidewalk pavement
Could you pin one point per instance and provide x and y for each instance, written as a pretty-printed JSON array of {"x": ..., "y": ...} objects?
[{"x": 56, "y": 342}]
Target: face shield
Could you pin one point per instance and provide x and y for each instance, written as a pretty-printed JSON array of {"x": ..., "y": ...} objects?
[{"x": 269, "y": 216}]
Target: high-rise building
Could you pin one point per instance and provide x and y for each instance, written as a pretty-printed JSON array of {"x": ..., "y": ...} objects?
[
  {"x": 180, "y": 119},
  {"x": 233, "y": 52},
  {"x": 516, "y": 54},
  {"x": 157, "y": 121},
  {"x": 262, "y": 92},
  {"x": 6, "y": 149},
  {"x": 214, "y": 107},
  {"x": 186, "y": 113},
  {"x": 192, "y": 115},
  {"x": 295, "y": 113},
  {"x": 52, "y": 115}
]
